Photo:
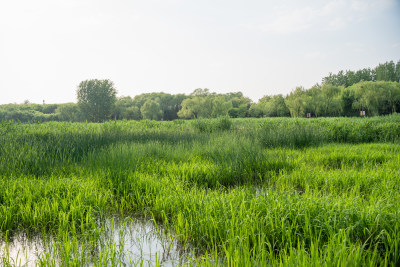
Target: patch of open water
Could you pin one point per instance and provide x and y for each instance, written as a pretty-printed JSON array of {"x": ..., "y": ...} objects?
[{"x": 131, "y": 240}]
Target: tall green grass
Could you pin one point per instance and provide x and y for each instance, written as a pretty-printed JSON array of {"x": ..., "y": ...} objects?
[
  {"x": 318, "y": 192},
  {"x": 297, "y": 133}
]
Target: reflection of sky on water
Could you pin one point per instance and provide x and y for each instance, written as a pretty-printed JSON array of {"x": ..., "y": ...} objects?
[
  {"x": 21, "y": 250},
  {"x": 132, "y": 240}
]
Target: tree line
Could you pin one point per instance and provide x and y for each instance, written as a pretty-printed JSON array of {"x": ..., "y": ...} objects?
[
  {"x": 375, "y": 91},
  {"x": 388, "y": 71}
]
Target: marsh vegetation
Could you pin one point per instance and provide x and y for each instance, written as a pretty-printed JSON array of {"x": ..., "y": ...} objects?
[{"x": 219, "y": 191}]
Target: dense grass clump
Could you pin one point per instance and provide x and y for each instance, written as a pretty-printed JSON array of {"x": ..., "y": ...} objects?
[
  {"x": 208, "y": 126},
  {"x": 297, "y": 133},
  {"x": 237, "y": 192}
]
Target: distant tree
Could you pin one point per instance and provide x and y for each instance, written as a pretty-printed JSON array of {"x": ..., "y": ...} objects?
[
  {"x": 131, "y": 113},
  {"x": 377, "y": 98},
  {"x": 208, "y": 105},
  {"x": 125, "y": 109},
  {"x": 386, "y": 72},
  {"x": 315, "y": 100},
  {"x": 281, "y": 108},
  {"x": 190, "y": 108},
  {"x": 330, "y": 100},
  {"x": 96, "y": 99},
  {"x": 347, "y": 100},
  {"x": 296, "y": 102},
  {"x": 196, "y": 107},
  {"x": 25, "y": 113},
  {"x": 239, "y": 112},
  {"x": 365, "y": 75},
  {"x": 239, "y": 101},
  {"x": 169, "y": 104},
  {"x": 398, "y": 71},
  {"x": 200, "y": 92},
  {"x": 68, "y": 112},
  {"x": 173, "y": 107},
  {"x": 255, "y": 110},
  {"x": 48, "y": 109},
  {"x": 269, "y": 106},
  {"x": 220, "y": 107},
  {"x": 151, "y": 110}
]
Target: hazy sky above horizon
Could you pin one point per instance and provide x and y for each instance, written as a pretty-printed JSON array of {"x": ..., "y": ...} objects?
[{"x": 47, "y": 47}]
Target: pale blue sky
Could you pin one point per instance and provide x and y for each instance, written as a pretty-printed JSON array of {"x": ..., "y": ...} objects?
[{"x": 258, "y": 47}]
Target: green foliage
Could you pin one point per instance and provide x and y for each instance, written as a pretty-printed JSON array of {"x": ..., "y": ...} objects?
[
  {"x": 69, "y": 112},
  {"x": 151, "y": 110},
  {"x": 125, "y": 109},
  {"x": 169, "y": 104},
  {"x": 196, "y": 107},
  {"x": 304, "y": 132},
  {"x": 223, "y": 123},
  {"x": 387, "y": 71},
  {"x": 246, "y": 193},
  {"x": 296, "y": 134},
  {"x": 347, "y": 100},
  {"x": 239, "y": 112},
  {"x": 96, "y": 99},
  {"x": 376, "y": 91},
  {"x": 49, "y": 109},
  {"x": 25, "y": 113},
  {"x": 296, "y": 103},
  {"x": 221, "y": 107},
  {"x": 270, "y": 106},
  {"x": 203, "y": 125},
  {"x": 203, "y": 104},
  {"x": 377, "y": 98},
  {"x": 7, "y": 127}
]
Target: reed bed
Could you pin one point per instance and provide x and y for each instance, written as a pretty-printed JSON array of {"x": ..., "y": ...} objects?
[{"x": 279, "y": 192}]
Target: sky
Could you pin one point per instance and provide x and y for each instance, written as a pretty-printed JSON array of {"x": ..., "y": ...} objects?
[{"x": 258, "y": 47}]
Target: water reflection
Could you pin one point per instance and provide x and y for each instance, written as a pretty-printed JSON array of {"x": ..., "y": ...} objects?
[
  {"x": 126, "y": 241},
  {"x": 141, "y": 240},
  {"x": 21, "y": 250}
]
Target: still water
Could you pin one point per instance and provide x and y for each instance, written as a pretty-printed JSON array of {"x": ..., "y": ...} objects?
[{"x": 129, "y": 241}]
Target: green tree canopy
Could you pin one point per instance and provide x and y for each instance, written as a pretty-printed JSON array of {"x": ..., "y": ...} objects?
[
  {"x": 203, "y": 104},
  {"x": 296, "y": 102},
  {"x": 96, "y": 99},
  {"x": 125, "y": 109},
  {"x": 68, "y": 112},
  {"x": 151, "y": 110},
  {"x": 169, "y": 104},
  {"x": 377, "y": 97}
]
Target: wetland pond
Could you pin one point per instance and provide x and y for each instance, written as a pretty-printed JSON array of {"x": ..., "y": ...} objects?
[{"x": 126, "y": 242}]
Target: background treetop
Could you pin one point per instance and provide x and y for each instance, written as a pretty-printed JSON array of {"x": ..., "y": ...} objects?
[{"x": 96, "y": 99}]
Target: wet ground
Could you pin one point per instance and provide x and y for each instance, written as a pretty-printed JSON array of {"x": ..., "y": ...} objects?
[{"x": 130, "y": 241}]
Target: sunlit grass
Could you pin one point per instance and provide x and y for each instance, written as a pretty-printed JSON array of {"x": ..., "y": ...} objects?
[{"x": 318, "y": 192}]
